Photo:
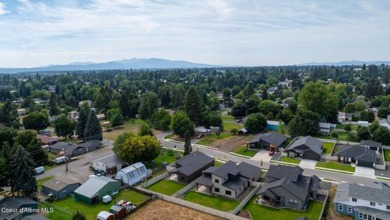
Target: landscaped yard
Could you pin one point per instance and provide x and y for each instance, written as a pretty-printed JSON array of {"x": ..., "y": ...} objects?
[
  {"x": 130, "y": 125},
  {"x": 64, "y": 208},
  {"x": 244, "y": 151},
  {"x": 343, "y": 136},
  {"x": 213, "y": 137},
  {"x": 327, "y": 147},
  {"x": 166, "y": 187},
  {"x": 290, "y": 160},
  {"x": 336, "y": 166},
  {"x": 387, "y": 155},
  {"x": 229, "y": 126},
  {"x": 166, "y": 155},
  {"x": 215, "y": 202},
  {"x": 262, "y": 212}
]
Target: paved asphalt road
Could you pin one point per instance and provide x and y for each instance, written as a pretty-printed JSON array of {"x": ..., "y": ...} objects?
[{"x": 79, "y": 168}]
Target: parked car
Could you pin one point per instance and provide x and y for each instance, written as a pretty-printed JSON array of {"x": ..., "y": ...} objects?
[{"x": 39, "y": 170}]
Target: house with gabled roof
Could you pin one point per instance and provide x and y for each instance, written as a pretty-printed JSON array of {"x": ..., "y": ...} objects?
[
  {"x": 361, "y": 156},
  {"x": 230, "y": 179},
  {"x": 370, "y": 201},
  {"x": 13, "y": 206},
  {"x": 269, "y": 141},
  {"x": 373, "y": 145},
  {"x": 190, "y": 167},
  {"x": 287, "y": 187},
  {"x": 306, "y": 148}
]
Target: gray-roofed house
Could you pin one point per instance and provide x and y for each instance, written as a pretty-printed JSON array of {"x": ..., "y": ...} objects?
[
  {"x": 71, "y": 150},
  {"x": 86, "y": 147},
  {"x": 361, "y": 156},
  {"x": 190, "y": 167},
  {"x": 15, "y": 204},
  {"x": 370, "y": 201},
  {"x": 306, "y": 148},
  {"x": 93, "y": 190},
  {"x": 109, "y": 164},
  {"x": 60, "y": 187},
  {"x": 270, "y": 141},
  {"x": 35, "y": 217},
  {"x": 287, "y": 187},
  {"x": 373, "y": 145},
  {"x": 202, "y": 131},
  {"x": 230, "y": 179}
]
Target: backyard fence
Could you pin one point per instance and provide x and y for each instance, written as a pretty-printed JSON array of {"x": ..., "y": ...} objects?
[
  {"x": 184, "y": 190},
  {"x": 246, "y": 199},
  {"x": 326, "y": 192},
  {"x": 155, "y": 180}
]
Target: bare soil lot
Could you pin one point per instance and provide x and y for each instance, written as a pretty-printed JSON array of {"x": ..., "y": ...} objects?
[
  {"x": 232, "y": 143},
  {"x": 160, "y": 209}
]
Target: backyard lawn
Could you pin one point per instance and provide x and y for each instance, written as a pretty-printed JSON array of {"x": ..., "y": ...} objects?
[
  {"x": 290, "y": 160},
  {"x": 229, "y": 126},
  {"x": 64, "y": 208},
  {"x": 166, "y": 155},
  {"x": 343, "y": 136},
  {"x": 166, "y": 187},
  {"x": 262, "y": 212},
  {"x": 327, "y": 147},
  {"x": 335, "y": 166},
  {"x": 244, "y": 151},
  {"x": 387, "y": 155},
  {"x": 215, "y": 202},
  {"x": 130, "y": 125},
  {"x": 213, "y": 137}
]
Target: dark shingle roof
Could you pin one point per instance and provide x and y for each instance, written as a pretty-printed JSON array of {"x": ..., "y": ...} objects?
[
  {"x": 35, "y": 217},
  {"x": 280, "y": 171},
  {"x": 68, "y": 147},
  {"x": 371, "y": 143},
  {"x": 248, "y": 171},
  {"x": 357, "y": 152},
  {"x": 225, "y": 169},
  {"x": 376, "y": 192},
  {"x": 193, "y": 162},
  {"x": 13, "y": 203},
  {"x": 274, "y": 138},
  {"x": 300, "y": 190},
  {"x": 312, "y": 143},
  {"x": 235, "y": 184},
  {"x": 91, "y": 143}
]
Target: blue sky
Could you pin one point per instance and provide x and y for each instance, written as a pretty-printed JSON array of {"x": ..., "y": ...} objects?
[{"x": 223, "y": 32}]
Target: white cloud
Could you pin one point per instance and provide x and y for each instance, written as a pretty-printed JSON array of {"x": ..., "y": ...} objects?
[{"x": 2, "y": 9}]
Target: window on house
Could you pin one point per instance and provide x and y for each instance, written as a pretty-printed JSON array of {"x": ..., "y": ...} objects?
[
  {"x": 340, "y": 207},
  {"x": 228, "y": 192},
  {"x": 364, "y": 216},
  {"x": 354, "y": 200},
  {"x": 350, "y": 209},
  {"x": 216, "y": 189},
  {"x": 388, "y": 207},
  {"x": 216, "y": 180},
  {"x": 369, "y": 217},
  {"x": 360, "y": 215},
  {"x": 372, "y": 203}
]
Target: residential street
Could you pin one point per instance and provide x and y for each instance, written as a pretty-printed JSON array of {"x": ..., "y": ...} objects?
[{"x": 80, "y": 168}]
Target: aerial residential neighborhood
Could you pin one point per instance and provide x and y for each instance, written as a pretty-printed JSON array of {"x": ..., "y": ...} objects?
[{"x": 199, "y": 110}]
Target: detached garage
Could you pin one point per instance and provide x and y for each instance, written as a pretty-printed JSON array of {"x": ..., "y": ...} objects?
[
  {"x": 95, "y": 188},
  {"x": 59, "y": 187}
]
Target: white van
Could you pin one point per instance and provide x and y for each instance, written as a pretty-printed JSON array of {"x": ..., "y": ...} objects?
[{"x": 39, "y": 170}]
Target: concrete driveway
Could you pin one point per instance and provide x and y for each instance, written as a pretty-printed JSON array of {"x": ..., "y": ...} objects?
[
  {"x": 262, "y": 155},
  {"x": 365, "y": 172},
  {"x": 310, "y": 164}
]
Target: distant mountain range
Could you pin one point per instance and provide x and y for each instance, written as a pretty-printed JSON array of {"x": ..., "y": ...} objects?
[
  {"x": 344, "y": 63},
  {"x": 154, "y": 63},
  {"x": 134, "y": 63}
]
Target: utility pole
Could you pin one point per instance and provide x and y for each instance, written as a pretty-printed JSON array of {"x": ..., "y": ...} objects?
[{"x": 66, "y": 161}]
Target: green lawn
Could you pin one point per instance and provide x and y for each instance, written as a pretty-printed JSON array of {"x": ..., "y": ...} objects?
[
  {"x": 244, "y": 151},
  {"x": 336, "y": 166},
  {"x": 166, "y": 187},
  {"x": 327, "y": 147},
  {"x": 166, "y": 155},
  {"x": 131, "y": 125},
  {"x": 343, "y": 136},
  {"x": 290, "y": 160},
  {"x": 64, "y": 208},
  {"x": 229, "y": 126},
  {"x": 262, "y": 212},
  {"x": 217, "y": 163},
  {"x": 227, "y": 117},
  {"x": 169, "y": 136},
  {"x": 215, "y": 202},
  {"x": 322, "y": 136},
  {"x": 211, "y": 138},
  {"x": 387, "y": 155},
  {"x": 41, "y": 181}
]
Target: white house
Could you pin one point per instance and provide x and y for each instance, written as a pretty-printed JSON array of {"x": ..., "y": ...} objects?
[
  {"x": 133, "y": 174},
  {"x": 21, "y": 111}
]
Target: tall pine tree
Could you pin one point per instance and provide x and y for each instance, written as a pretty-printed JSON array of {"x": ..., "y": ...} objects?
[
  {"x": 187, "y": 143},
  {"x": 194, "y": 105},
  {"x": 82, "y": 121},
  {"x": 93, "y": 130},
  {"x": 22, "y": 177},
  {"x": 53, "y": 109}
]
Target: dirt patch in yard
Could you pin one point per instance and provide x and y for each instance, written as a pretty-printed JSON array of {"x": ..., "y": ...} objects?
[
  {"x": 160, "y": 209},
  {"x": 232, "y": 143}
]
